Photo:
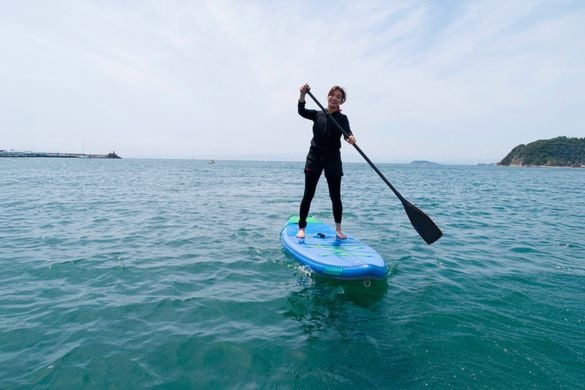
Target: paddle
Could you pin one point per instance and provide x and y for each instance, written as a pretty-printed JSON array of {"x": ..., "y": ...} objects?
[{"x": 419, "y": 220}]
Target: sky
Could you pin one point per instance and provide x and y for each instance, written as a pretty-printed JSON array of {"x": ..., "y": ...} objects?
[{"x": 456, "y": 82}]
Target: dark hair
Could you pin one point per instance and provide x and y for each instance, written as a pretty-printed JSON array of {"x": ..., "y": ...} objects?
[{"x": 337, "y": 88}]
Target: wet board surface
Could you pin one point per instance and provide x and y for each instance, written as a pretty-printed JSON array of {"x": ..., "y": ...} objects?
[{"x": 327, "y": 255}]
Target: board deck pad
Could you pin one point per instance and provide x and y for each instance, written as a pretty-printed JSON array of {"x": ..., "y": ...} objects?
[{"x": 327, "y": 255}]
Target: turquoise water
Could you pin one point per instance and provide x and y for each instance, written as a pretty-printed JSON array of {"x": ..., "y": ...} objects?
[{"x": 170, "y": 274}]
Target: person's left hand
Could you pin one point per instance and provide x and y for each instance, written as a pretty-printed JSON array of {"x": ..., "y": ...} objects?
[{"x": 351, "y": 140}]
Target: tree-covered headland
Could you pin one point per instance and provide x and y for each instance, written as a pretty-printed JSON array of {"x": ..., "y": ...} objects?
[{"x": 558, "y": 152}]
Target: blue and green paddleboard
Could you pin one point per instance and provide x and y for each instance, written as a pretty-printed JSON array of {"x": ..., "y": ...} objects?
[{"x": 327, "y": 255}]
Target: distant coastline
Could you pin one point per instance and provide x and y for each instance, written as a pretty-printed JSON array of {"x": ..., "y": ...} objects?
[
  {"x": 18, "y": 153},
  {"x": 423, "y": 162},
  {"x": 555, "y": 152}
]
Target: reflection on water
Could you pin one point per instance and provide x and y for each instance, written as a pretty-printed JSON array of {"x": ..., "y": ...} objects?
[{"x": 325, "y": 304}]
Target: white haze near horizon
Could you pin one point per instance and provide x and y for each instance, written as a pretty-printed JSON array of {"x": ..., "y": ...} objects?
[{"x": 451, "y": 82}]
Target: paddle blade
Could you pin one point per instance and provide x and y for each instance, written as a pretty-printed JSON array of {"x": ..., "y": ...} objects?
[{"x": 422, "y": 223}]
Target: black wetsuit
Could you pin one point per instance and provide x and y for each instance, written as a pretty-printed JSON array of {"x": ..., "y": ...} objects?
[{"x": 324, "y": 155}]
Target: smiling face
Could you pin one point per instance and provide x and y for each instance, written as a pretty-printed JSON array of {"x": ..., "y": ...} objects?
[{"x": 335, "y": 98}]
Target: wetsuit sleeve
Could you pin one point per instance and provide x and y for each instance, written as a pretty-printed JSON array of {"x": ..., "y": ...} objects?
[
  {"x": 345, "y": 124},
  {"x": 307, "y": 114}
]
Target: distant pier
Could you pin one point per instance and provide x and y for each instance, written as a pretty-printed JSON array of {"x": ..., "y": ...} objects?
[{"x": 16, "y": 153}]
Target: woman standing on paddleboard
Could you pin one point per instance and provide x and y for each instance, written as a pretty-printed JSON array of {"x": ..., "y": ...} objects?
[{"x": 324, "y": 155}]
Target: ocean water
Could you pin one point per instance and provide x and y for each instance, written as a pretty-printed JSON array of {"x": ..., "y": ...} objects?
[{"x": 170, "y": 274}]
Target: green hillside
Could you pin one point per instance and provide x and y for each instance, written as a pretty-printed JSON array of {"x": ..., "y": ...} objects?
[{"x": 559, "y": 151}]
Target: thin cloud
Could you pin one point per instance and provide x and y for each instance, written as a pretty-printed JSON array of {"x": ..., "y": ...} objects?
[{"x": 447, "y": 82}]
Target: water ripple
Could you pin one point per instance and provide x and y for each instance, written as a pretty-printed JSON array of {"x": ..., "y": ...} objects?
[{"x": 160, "y": 273}]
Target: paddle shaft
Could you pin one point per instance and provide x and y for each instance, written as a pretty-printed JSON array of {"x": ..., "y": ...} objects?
[
  {"x": 421, "y": 222},
  {"x": 360, "y": 151}
]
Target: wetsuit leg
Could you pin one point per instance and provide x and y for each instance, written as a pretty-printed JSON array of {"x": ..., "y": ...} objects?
[
  {"x": 311, "y": 180},
  {"x": 334, "y": 183}
]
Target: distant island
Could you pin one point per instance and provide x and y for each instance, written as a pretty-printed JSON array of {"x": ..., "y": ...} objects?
[
  {"x": 555, "y": 152},
  {"x": 423, "y": 162},
  {"x": 17, "y": 153}
]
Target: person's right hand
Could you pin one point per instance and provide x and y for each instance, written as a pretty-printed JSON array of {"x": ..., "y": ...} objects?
[{"x": 305, "y": 88}]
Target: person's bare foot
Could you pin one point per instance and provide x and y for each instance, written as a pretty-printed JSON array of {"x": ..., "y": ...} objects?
[
  {"x": 301, "y": 233},
  {"x": 339, "y": 232}
]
